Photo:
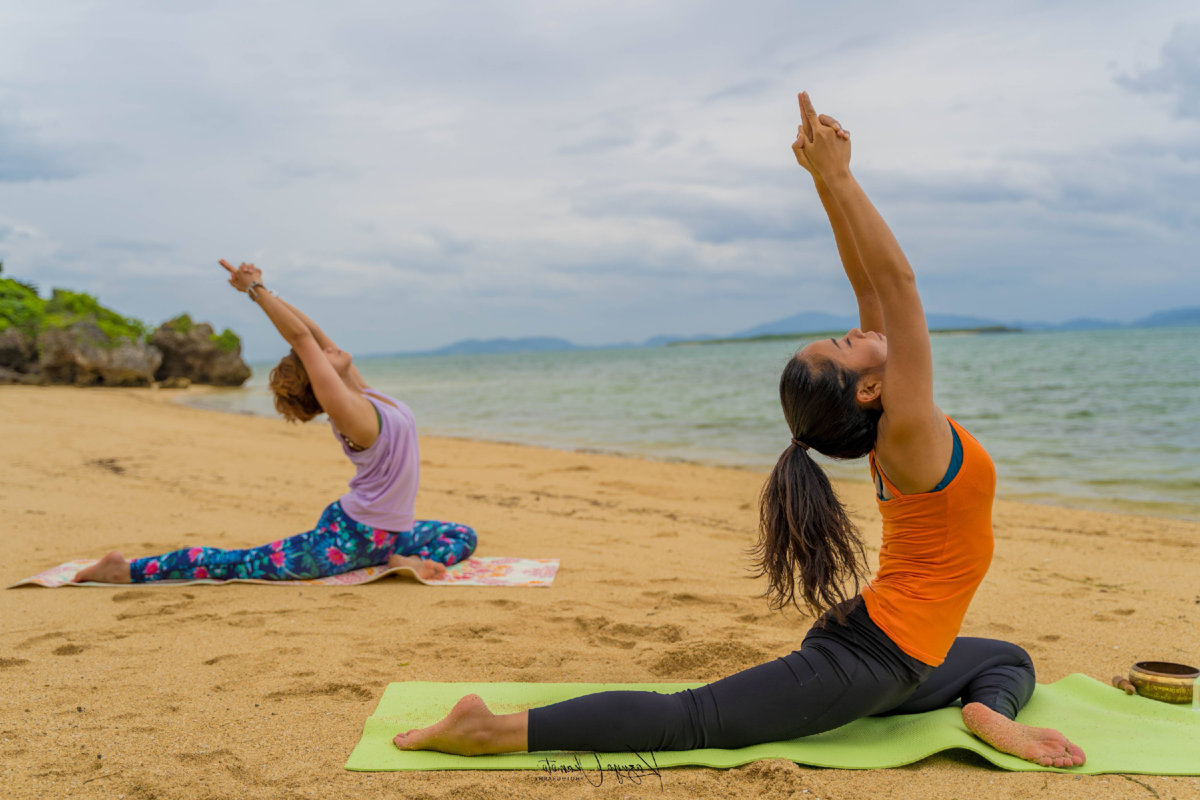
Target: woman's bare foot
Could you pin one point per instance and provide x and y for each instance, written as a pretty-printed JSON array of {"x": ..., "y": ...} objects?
[
  {"x": 113, "y": 568},
  {"x": 424, "y": 569},
  {"x": 470, "y": 729},
  {"x": 1044, "y": 746}
]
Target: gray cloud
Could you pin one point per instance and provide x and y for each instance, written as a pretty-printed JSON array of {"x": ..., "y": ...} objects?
[
  {"x": 598, "y": 144},
  {"x": 1177, "y": 75},
  {"x": 420, "y": 172},
  {"x": 24, "y": 158},
  {"x": 751, "y": 88},
  {"x": 706, "y": 219}
]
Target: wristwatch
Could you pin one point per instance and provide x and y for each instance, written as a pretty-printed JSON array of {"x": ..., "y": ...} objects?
[{"x": 250, "y": 291}]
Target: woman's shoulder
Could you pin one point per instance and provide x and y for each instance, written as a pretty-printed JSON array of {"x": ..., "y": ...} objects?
[{"x": 389, "y": 405}]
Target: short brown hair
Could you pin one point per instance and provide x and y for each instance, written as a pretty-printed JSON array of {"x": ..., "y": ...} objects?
[{"x": 294, "y": 397}]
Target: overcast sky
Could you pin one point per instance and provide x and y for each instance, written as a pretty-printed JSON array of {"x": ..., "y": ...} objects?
[{"x": 412, "y": 173}]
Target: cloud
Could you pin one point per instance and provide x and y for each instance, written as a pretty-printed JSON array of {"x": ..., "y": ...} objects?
[
  {"x": 598, "y": 144},
  {"x": 24, "y": 158},
  {"x": 1177, "y": 75},
  {"x": 751, "y": 88},
  {"x": 422, "y": 172},
  {"x": 705, "y": 218}
]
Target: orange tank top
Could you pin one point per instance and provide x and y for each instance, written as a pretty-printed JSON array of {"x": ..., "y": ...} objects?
[{"x": 936, "y": 549}]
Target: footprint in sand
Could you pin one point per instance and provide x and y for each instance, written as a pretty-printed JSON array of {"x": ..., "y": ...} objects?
[
  {"x": 219, "y": 659},
  {"x": 69, "y": 650},
  {"x": 706, "y": 660},
  {"x": 42, "y": 638},
  {"x": 352, "y": 691}
]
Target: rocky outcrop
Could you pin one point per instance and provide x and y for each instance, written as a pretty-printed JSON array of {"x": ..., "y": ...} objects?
[
  {"x": 18, "y": 351},
  {"x": 195, "y": 352},
  {"x": 10, "y": 376},
  {"x": 83, "y": 355}
]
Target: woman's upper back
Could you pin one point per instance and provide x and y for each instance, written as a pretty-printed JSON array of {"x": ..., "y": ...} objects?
[
  {"x": 936, "y": 550},
  {"x": 383, "y": 492}
]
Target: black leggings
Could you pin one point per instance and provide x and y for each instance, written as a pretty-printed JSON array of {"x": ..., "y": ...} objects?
[{"x": 840, "y": 673}]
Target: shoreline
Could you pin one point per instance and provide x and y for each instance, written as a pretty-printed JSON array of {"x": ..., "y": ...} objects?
[
  {"x": 258, "y": 691},
  {"x": 1139, "y": 508}
]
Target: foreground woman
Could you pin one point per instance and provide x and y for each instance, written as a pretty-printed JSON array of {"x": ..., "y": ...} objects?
[
  {"x": 372, "y": 524},
  {"x": 891, "y": 649}
]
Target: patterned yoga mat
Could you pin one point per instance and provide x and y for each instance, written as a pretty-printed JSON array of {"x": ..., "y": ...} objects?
[{"x": 492, "y": 571}]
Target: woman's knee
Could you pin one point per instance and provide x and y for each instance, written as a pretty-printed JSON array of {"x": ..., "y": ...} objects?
[
  {"x": 470, "y": 537},
  {"x": 1016, "y": 655}
]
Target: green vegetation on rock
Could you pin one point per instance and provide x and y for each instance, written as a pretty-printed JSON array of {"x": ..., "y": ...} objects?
[
  {"x": 20, "y": 306},
  {"x": 226, "y": 341},
  {"x": 65, "y": 308},
  {"x": 54, "y": 341},
  {"x": 181, "y": 324}
]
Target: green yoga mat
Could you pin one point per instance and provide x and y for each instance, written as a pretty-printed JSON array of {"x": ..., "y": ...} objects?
[{"x": 1119, "y": 733}]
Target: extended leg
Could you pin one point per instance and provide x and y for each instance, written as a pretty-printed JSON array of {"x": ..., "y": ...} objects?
[
  {"x": 338, "y": 544},
  {"x": 820, "y": 687}
]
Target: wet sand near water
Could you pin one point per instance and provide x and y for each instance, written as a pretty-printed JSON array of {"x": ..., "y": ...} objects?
[{"x": 261, "y": 692}]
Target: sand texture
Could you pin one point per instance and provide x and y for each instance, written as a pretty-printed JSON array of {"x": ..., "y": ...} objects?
[{"x": 251, "y": 691}]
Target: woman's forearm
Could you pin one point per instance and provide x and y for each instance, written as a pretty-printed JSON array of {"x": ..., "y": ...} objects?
[
  {"x": 323, "y": 341},
  {"x": 290, "y": 327},
  {"x": 870, "y": 315},
  {"x": 880, "y": 256}
]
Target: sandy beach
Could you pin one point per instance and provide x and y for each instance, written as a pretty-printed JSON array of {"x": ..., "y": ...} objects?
[{"x": 261, "y": 692}]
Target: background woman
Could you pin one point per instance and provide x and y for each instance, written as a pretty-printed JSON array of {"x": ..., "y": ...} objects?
[
  {"x": 891, "y": 649},
  {"x": 370, "y": 525}
]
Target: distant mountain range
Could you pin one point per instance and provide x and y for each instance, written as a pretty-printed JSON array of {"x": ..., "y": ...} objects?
[
  {"x": 530, "y": 344},
  {"x": 813, "y": 322}
]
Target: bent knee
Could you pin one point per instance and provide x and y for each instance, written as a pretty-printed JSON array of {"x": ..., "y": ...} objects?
[
  {"x": 1015, "y": 655},
  {"x": 466, "y": 534}
]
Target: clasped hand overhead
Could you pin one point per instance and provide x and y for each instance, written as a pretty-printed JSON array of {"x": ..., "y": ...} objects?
[
  {"x": 822, "y": 146},
  {"x": 242, "y": 277}
]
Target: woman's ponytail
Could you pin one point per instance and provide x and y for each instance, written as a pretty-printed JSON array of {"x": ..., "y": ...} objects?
[{"x": 808, "y": 545}]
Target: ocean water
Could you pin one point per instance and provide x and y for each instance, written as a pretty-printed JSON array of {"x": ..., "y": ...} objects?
[{"x": 1103, "y": 419}]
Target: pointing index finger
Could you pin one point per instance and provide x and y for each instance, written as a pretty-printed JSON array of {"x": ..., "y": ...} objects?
[
  {"x": 227, "y": 266},
  {"x": 810, "y": 115}
]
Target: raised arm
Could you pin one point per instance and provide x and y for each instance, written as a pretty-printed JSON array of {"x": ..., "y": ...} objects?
[
  {"x": 350, "y": 411},
  {"x": 909, "y": 411},
  {"x": 870, "y": 314},
  {"x": 323, "y": 340}
]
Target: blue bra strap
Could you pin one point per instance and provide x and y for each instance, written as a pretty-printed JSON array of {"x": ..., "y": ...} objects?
[{"x": 956, "y": 459}]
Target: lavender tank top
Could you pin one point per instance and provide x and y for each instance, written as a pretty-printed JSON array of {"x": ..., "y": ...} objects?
[{"x": 383, "y": 494}]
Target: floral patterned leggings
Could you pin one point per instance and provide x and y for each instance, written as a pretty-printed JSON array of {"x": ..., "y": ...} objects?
[{"x": 338, "y": 544}]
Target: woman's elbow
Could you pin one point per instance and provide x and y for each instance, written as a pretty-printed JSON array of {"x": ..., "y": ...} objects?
[
  {"x": 297, "y": 338},
  {"x": 898, "y": 280}
]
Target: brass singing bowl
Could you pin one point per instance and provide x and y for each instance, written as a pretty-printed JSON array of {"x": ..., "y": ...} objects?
[{"x": 1164, "y": 681}]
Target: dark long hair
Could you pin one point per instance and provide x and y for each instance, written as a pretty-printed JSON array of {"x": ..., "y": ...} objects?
[{"x": 807, "y": 543}]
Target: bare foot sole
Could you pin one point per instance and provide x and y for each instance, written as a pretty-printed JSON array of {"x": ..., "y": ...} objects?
[
  {"x": 423, "y": 568},
  {"x": 113, "y": 568},
  {"x": 468, "y": 730},
  {"x": 1044, "y": 746}
]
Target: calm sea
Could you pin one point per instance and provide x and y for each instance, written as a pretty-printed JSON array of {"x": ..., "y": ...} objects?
[{"x": 1104, "y": 419}]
